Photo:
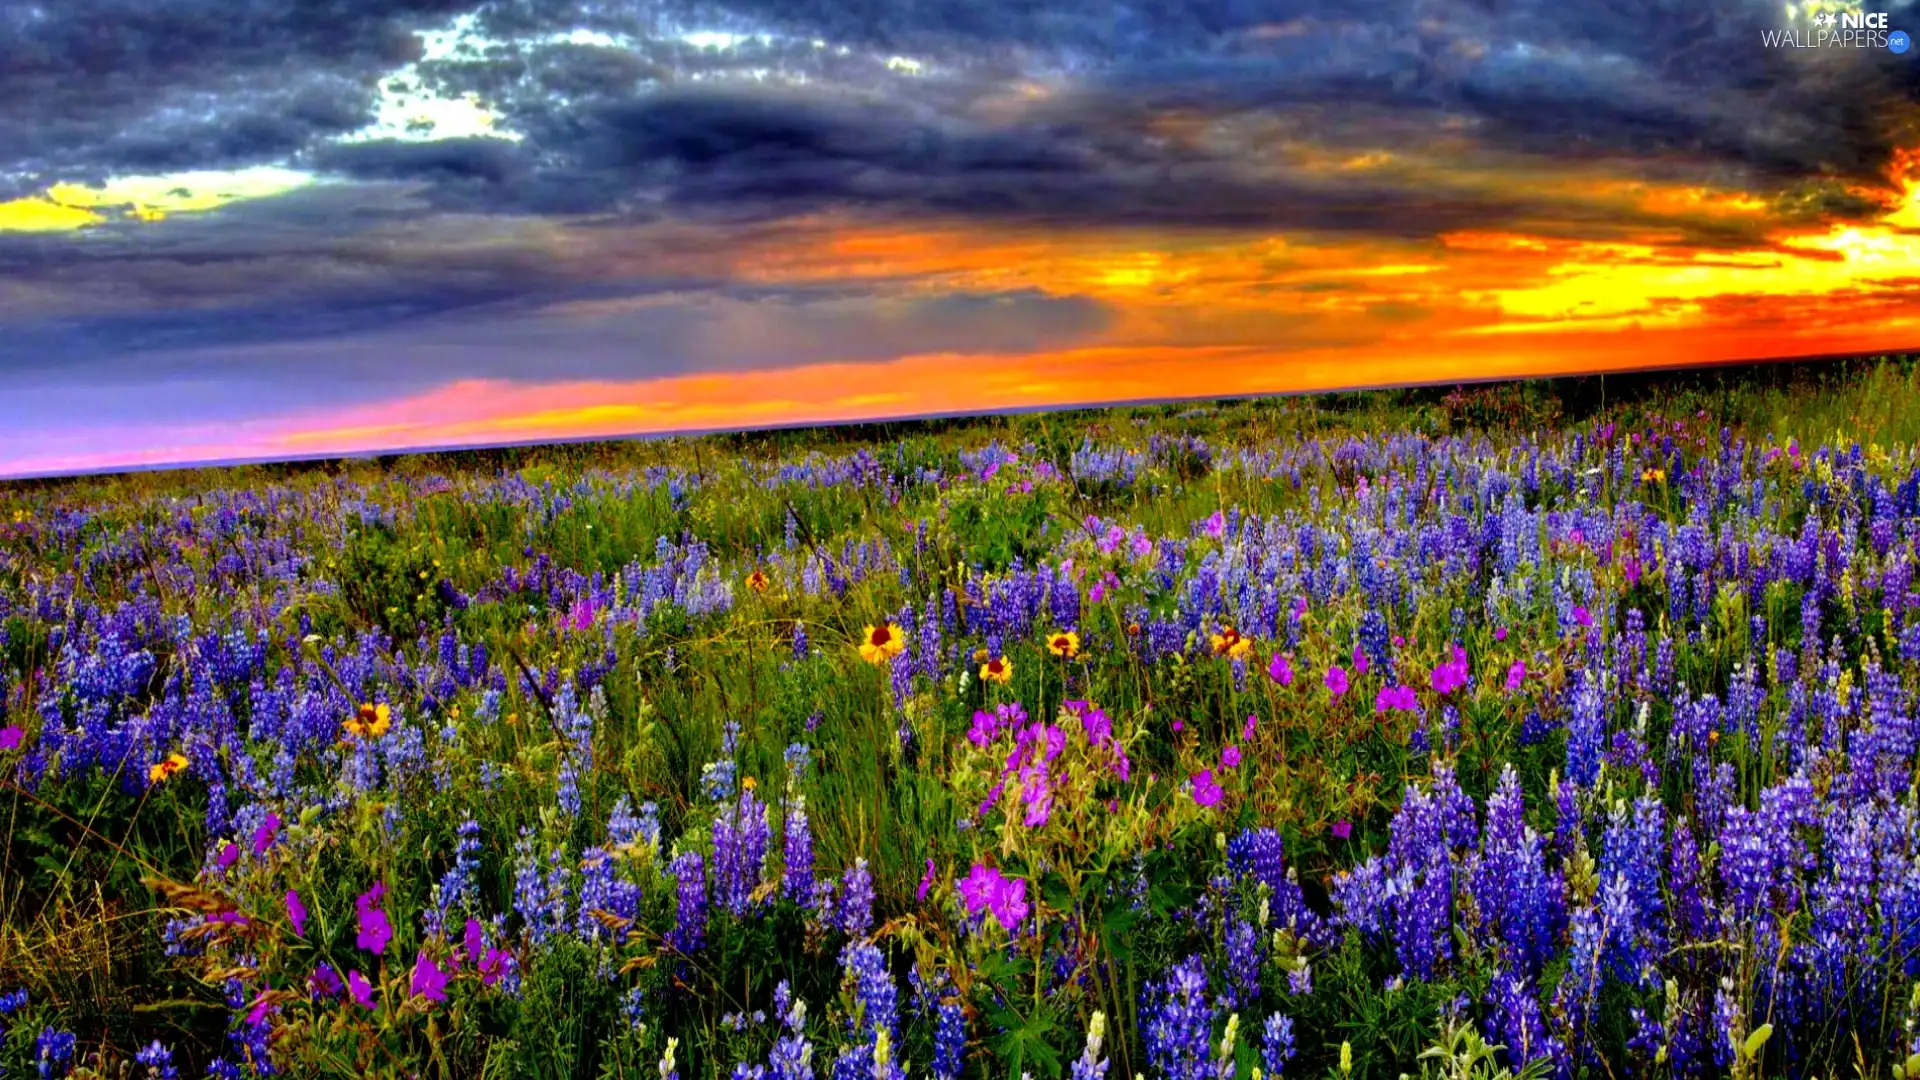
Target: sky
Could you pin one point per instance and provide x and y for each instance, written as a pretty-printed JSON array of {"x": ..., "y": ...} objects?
[{"x": 241, "y": 229}]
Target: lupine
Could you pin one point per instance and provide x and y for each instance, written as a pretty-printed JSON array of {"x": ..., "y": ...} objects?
[
  {"x": 792, "y": 1057},
  {"x": 157, "y": 1060},
  {"x": 690, "y": 918},
  {"x": 53, "y": 1050},
  {"x": 740, "y": 839},
  {"x": 796, "y": 882},
  {"x": 856, "y": 899},
  {"x": 1177, "y": 1023},
  {"x": 1276, "y": 1043},
  {"x": 1090, "y": 1065}
]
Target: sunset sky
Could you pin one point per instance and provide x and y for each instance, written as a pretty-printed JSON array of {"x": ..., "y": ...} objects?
[{"x": 235, "y": 229}]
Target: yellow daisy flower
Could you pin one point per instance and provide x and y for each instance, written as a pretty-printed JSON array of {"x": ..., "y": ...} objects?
[
  {"x": 371, "y": 722},
  {"x": 879, "y": 644},
  {"x": 997, "y": 670},
  {"x": 163, "y": 769}
]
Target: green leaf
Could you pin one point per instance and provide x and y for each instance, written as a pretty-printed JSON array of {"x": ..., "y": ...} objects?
[{"x": 1755, "y": 1041}]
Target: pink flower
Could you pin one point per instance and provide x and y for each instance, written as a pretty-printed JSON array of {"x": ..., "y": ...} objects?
[
  {"x": 374, "y": 929},
  {"x": 264, "y": 834},
  {"x": 1396, "y": 697},
  {"x": 296, "y": 914},
  {"x": 428, "y": 980},
  {"x": 476, "y": 941},
  {"x": 258, "y": 1014},
  {"x": 1206, "y": 792},
  {"x": 977, "y": 888},
  {"x": 229, "y": 854},
  {"x": 1336, "y": 681},
  {"x": 1246, "y": 729},
  {"x": 360, "y": 989},
  {"x": 1230, "y": 757},
  {"x": 1280, "y": 669},
  {"x": 1360, "y": 661},
  {"x": 1500, "y": 634},
  {"x": 1179, "y": 726},
  {"x": 1037, "y": 793},
  {"x": 985, "y": 727},
  {"x": 1582, "y": 616},
  {"x": 1217, "y": 525},
  {"x": 492, "y": 966},
  {"x": 986, "y": 889},
  {"x": 993, "y": 796},
  {"x": 1516, "y": 675},
  {"x": 1300, "y": 607},
  {"x": 1342, "y": 829},
  {"x": 926, "y": 882},
  {"x": 10, "y": 737},
  {"x": 581, "y": 617}
]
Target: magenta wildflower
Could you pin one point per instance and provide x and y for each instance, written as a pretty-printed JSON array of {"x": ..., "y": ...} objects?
[
  {"x": 1396, "y": 697},
  {"x": 1500, "y": 634},
  {"x": 360, "y": 989},
  {"x": 1230, "y": 757},
  {"x": 1280, "y": 669},
  {"x": 1010, "y": 903},
  {"x": 1246, "y": 729},
  {"x": 296, "y": 914},
  {"x": 1516, "y": 675},
  {"x": 926, "y": 882},
  {"x": 1206, "y": 792},
  {"x": 993, "y": 796},
  {"x": 1342, "y": 829},
  {"x": 985, "y": 888},
  {"x": 1336, "y": 681},
  {"x": 985, "y": 727},
  {"x": 229, "y": 854},
  {"x": 1451, "y": 675},
  {"x": 10, "y": 737},
  {"x": 476, "y": 942},
  {"x": 1582, "y": 616},
  {"x": 428, "y": 980},
  {"x": 1037, "y": 792},
  {"x": 1360, "y": 661},
  {"x": 374, "y": 929},
  {"x": 1217, "y": 525},
  {"x": 1179, "y": 725},
  {"x": 492, "y": 966},
  {"x": 581, "y": 617},
  {"x": 258, "y": 1014},
  {"x": 264, "y": 834}
]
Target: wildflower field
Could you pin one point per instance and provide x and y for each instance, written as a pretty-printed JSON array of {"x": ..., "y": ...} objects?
[{"x": 1466, "y": 733}]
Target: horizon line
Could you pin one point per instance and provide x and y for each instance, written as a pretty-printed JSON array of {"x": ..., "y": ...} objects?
[{"x": 189, "y": 465}]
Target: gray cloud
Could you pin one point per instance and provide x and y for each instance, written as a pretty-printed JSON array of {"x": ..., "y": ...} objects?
[{"x": 1176, "y": 113}]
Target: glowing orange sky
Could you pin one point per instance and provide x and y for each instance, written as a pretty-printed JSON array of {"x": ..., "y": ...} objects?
[{"x": 1195, "y": 315}]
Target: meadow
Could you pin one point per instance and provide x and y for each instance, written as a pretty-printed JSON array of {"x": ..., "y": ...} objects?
[{"x": 1500, "y": 731}]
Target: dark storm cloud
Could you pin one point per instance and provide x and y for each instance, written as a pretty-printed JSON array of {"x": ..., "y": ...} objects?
[
  {"x": 155, "y": 85},
  {"x": 1679, "y": 93},
  {"x": 101, "y": 86},
  {"x": 767, "y": 153}
]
